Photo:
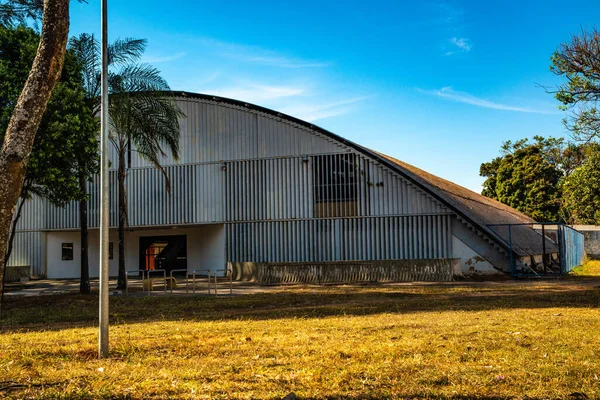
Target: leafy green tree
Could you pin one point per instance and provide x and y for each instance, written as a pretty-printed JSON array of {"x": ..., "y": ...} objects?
[
  {"x": 581, "y": 191},
  {"x": 579, "y": 62},
  {"x": 527, "y": 176},
  {"x": 27, "y": 115},
  {"x": 66, "y": 142},
  {"x": 143, "y": 115}
]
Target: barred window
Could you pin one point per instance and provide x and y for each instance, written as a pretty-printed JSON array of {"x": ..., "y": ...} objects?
[{"x": 335, "y": 185}]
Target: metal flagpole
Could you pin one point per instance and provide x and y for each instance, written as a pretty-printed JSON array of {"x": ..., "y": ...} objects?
[{"x": 104, "y": 211}]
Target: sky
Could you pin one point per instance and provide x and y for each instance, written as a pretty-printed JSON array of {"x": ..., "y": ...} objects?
[{"x": 438, "y": 84}]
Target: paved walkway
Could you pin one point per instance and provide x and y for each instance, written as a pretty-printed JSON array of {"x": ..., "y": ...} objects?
[
  {"x": 49, "y": 287},
  {"x": 60, "y": 286}
]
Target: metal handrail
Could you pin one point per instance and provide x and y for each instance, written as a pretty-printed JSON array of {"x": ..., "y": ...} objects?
[
  {"x": 194, "y": 272},
  {"x": 186, "y": 278},
  {"x": 136, "y": 271},
  {"x": 229, "y": 272},
  {"x": 164, "y": 273}
]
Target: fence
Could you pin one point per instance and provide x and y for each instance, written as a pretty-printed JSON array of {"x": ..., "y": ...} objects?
[{"x": 556, "y": 251}]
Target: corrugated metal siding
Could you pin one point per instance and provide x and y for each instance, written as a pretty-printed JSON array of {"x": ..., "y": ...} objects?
[
  {"x": 283, "y": 188},
  {"x": 268, "y": 189},
  {"x": 572, "y": 248},
  {"x": 280, "y": 138},
  {"x": 32, "y": 215},
  {"x": 29, "y": 249},
  {"x": 382, "y": 238},
  {"x": 391, "y": 194},
  {"x": 195, "y": 197},
  {"x": 63, "y": 217},
  {"x": 251, "y": 190},
  {"x": 68, "y": 217},
  {"x": 213, "y": 131}
]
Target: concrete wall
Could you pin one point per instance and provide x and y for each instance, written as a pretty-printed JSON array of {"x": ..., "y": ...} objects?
[
  {"x": 205, "y": 250},
  {"x": 471, "y": 262},
  {"x": 436, "y": 270},
  {"x": 479, "y": 256},
  {"x": 592, "y": 240}
]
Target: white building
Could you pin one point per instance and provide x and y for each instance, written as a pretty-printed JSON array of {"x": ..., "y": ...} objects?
[{"x": 255, "y": 186}]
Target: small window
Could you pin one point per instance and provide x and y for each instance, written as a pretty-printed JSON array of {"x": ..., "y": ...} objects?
[
  {"x": 67, "y": 251},
  {"x": 110, "y": 251}
]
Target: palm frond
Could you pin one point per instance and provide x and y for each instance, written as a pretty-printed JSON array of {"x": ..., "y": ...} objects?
[
  {"x": 126, "y": 51},
  {"x": 150, "y": 120},
  {"x": 87, "y": 50},
  {"x": 138, "y": 78},
  {"x": 156, "y": 162},
  {"x": 141, "y": 109},
  {"x": 121, "y": 54}
]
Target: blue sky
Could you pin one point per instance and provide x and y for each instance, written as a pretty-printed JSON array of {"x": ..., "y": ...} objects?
[{"x": 438, "y": 84}]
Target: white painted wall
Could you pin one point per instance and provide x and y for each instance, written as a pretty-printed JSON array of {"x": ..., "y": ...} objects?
[
  {"x": 205, "y": 250},
  {"x": 60, "y": 269},
  {"x": 471, "y": 262}
]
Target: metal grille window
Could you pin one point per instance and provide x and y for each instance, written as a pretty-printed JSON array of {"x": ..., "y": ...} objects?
[
  {"x": 335, "y": 185},
  {"x": 67, "y": 251}
]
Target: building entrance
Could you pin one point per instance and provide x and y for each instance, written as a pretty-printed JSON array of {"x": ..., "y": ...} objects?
[{"x": 163, "y": 252}]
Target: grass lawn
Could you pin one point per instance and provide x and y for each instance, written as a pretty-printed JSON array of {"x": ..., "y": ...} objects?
[
  {"x": 590, "y": 268},
  {"x": 493, "y": 340}
]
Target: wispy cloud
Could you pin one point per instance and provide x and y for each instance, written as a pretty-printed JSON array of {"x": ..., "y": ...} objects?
[
  {"x": 286, "y": 82},
  {"x": 208, "y": 78},
  {"x": 446, "y": 13},
  {"x": 299, "y": 101},
  {"x": 314, "y": 111},
  {"x": 259, "y": 55},
  {"x": 450, "y": 21},
  {"x": 275, "y": 60},
  {"x": 155, "y": 60},
  {"x": 448, "y": 93},
  {"x": 258, "y": 93},
  {"x": 459, "y": 45}
]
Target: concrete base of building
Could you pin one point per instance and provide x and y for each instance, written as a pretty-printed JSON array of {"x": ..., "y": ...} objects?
[{"x": 436, "y": 270}]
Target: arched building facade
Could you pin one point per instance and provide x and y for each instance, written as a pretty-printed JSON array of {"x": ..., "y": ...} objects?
[{"x": 256, "y": 186}]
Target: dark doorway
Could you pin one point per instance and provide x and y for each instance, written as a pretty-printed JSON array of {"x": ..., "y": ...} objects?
[{"x": 163, "y": 252}]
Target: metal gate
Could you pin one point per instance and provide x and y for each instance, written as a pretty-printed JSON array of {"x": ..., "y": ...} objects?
[{"x": 572, "y": 252}]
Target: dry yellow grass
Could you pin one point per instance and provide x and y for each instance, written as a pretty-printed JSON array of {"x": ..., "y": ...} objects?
[
  {"x": 590, "y": 268},
  {"x": 501, "y": 340}
]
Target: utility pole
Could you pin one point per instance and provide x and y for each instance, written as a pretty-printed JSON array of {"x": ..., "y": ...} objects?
[{"x": 104, "y": 209}]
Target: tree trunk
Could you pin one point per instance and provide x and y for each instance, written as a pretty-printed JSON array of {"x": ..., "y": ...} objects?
[
  {"x": 84, "y": 281},
  {"x": 28, "y": 113},
  {"x": 11, "y": 240},
  {"x": 13, "y": 231},
  {"x": 122, "y": 282}
]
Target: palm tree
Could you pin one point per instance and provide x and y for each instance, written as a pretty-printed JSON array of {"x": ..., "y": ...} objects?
[{"x": 143, "y": 116}]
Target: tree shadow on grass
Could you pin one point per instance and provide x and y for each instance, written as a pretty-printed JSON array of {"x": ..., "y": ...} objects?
[
  {"x": 54, "y": 312},
  {"x": 438, "y": 397},
  {"x": 426, "y": 396}
]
